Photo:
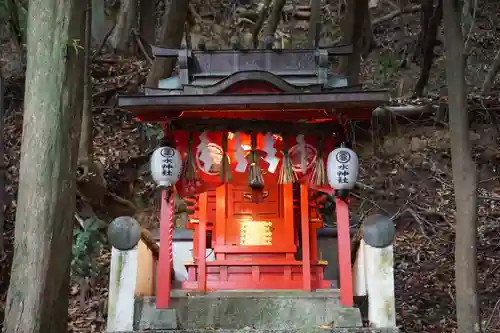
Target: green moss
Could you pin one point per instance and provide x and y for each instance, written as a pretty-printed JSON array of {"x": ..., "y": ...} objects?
[{"x": 119, "y": 269}]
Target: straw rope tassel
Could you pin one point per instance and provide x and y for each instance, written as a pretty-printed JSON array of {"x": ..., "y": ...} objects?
[
  {"x": 190, "y": 172},
  {"x": 318, "y": 176},
  {"x": 225, "y": 172},
  {"x": 255, "y": 177}
]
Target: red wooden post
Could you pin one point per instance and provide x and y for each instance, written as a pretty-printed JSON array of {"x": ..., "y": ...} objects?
[
  {"x": 202, "y": 243},
  {"x": 165, "y": 262},
  {"x": 344, "y": 250},
  {"x": 306, "y": 244}
]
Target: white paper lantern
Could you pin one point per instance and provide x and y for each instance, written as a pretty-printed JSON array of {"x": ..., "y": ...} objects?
[
  {"x": 342, "y": 168},
  {"x": 166, "y": 166}
]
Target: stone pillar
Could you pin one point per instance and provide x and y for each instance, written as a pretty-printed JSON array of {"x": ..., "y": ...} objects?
[
  {"x": 374, "y": 277},
  {"x": 122, "y": 282},
  {"x": 379, "y": 263}
]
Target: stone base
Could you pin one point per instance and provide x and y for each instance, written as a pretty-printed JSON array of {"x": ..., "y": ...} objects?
[
  {"x": 282, "y": 311},
  {"x": 247, "y": 330}
]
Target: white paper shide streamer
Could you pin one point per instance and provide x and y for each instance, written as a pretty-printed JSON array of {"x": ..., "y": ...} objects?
[
  {"x": 204, "y": 152},
  {"x": 270, "y": 151},
  {"x": 239, "y": 154},
  {"x": 166, "y": 166}
]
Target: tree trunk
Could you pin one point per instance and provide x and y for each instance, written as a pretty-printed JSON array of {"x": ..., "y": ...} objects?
[
  {"x": 314, "y": 24},
  {"x": 37, "y": 300},
  {"x": 369, "y": 41},
  {"x": 90, "y": 172},
  {"x": 263, "y": 14},
  {"x": 85, "y": 147},
  {"x": 171, "y": 34},
  {"x": 98, "y": 22},
  {"x": 147, "y": 26},
  {"x": 353, "y": 26},
  {"x": 428, "y": 47},
  {"x": 427, "y": 8},
  {"x": 14, "y": 21},
  {"x": 464, "y": 174},
  {"x": 274, "y": 20},
  {"x": 121, "y": 37},
  {"x": 18, "y": 32},
  {"x": 401, "y": 34}
]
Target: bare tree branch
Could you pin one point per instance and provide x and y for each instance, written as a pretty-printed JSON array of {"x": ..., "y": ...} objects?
[{"x": 490, "y": 77}]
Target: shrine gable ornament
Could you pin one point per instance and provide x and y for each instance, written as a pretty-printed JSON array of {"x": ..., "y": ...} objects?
[
  {"x": 166, "y": 166},
  {"x": 342, "y": 168}
]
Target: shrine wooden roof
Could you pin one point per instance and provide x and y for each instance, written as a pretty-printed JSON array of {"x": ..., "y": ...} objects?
[
  {"x": 298, "y": 68},
  {"x": 279, "y": 85},
  {"x": 158, "y": 105}
]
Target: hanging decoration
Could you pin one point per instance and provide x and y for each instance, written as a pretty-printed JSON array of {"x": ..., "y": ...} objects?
[
  {"x": 255, "y": 177},
  {"x": 190, "y": 172},
  {"x": 229, "y": 162},
  {"x": 239, "y": 154},
  {"x": 270, "y": 151},
  {"x": 342, "y": 168},
  {"x": 166, "y": 166},
  {"x": 301, "y": 142},
  {"x": 225, "y": 170},
  {"x": 204, "y": 153},
  {"x": 318, "y": 176},
  {"x": 287, "y": 175}
]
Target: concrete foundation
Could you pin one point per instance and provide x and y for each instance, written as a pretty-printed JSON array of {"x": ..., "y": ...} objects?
[
  {"x": 259, "y": 311},
  {"x": 270, "y": 310},
  {"x": 250, "y": 330}
]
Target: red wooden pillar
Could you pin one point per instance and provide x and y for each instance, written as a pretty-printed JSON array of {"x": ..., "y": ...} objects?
[
  {"x": 165, "y": 262},
  {"x": 344, "y": 250},
  {"x": 306, "y": 245},
  {"x": 202, "y": 242}
]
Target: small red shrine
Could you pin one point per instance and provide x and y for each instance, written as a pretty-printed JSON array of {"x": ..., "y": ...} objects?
[{"x": 253, "y": 130}]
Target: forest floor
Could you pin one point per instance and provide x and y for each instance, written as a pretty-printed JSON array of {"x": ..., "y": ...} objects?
[{"x": 408, "y": 178}]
